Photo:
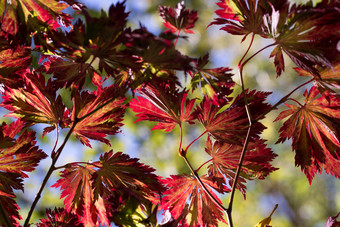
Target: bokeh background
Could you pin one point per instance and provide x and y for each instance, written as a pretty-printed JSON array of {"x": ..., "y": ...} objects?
[{"x": 299, "y": 204}]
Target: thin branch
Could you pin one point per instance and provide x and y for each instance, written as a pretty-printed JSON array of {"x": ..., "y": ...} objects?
[
  {"x": 245, "y": 54},
  {"x": 241, "y": 64},
  {"x": 203, "y": 185},
  {"x": 48, "y": 174}
]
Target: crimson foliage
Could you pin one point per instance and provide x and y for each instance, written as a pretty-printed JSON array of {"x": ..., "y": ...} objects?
[{"x": 99, "y": 61}]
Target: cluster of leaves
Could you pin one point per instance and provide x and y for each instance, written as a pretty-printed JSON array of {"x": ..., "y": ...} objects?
[{"x": 99, "y": 61}]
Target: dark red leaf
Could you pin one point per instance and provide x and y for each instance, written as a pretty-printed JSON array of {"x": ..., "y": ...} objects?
[
  {"x": 124, "y": 175},
  {"x": 16, "y": 158},
  {"x": 231, "y": 125},
  {"x": 76, "y": 186},
  {"x": 178, "y": 18},
  {"x": 189, "y": 204},
  {"x": 329, "y": 77},
  {"x": 225, "y": 160},
  {"x": 59, "y": 217},
  {"x": 49, "y": 11},
  {"x": 164, "y": 105},
  {"x": 34, "y": 102},
  {"x": 315, "y": 131}
]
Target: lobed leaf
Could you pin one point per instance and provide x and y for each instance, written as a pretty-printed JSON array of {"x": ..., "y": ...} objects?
[
  {"x": 178, "y": 18},
  {"x": 315, "y": 132},
  {"x": 231, "y": 125},
  {"x": 59, "y": 217},
  {"x": 189, "y": 204},
  {"x": 100, "y": 111},
  {"x": 17, "y": 156},
  {"x": 165, "y": 105},
  {"x": 35, "y": 101},
  {"x": 76, "y": 185},
  {"x": 225, "y": 160}
]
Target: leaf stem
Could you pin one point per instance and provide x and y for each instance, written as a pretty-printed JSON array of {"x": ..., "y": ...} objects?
[
  {"x": 203, "y": 165},
  {"x": 180, "y": 142},
  {"x": 186, "y": 149},
  {"x": 203, "y": 185},
  {"x": 282, "y": 100}
]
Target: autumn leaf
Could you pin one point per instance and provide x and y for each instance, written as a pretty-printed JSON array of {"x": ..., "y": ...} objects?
[
  {"x": 266, "y": 222},
  {"x": 240, "y": 17},
  {"x": 215, "y": 83},
  {"x": 76, "y": 186},
  {"x": 231, "y": 125},
  {"x": 164, "y": 105},
  {"x": 315, "y": 132},
  {"x": 178, "y": 18},
  {"x": 59, "y": 217},
  {"x": 13, "y": 60},
  {"x": 124, "y": 175},
  {"x": 188, "y": 202},
  {"x": 225, "y": 160},
  {"x": 295, "y": 28},
  {"x": 17, "y": 157},
  {"x": 16, "y": 13},
  {"x": 35, "y": 102},
  {"x": 100, "y": 111},
  {"x": 329, "y": 78}
]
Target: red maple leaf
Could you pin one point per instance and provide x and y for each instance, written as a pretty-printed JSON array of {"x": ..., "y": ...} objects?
[
  {"x": 124, "y": 175},
  {"x": 240, "y": 17},
  {"x": 105, "y": 120},
  {"x": 231, "y": 125},
  {"x": 189, "y": 204},
  {"x": 18, "y": 12},
  {"x": 329, "y": 77},
  {"x": 17, "y": 156},
  {"x": 13, "y": 60},
  {"x": 76, "y": 186},
  {"x": 59, "y": 217},
  {"x": 315, "y": 131},
  {"x": 225, "y": 160},
  {"x": 164, "y": 105},
  {"x": 178, "y": 18},
  {"x": 35, "y": 102}
]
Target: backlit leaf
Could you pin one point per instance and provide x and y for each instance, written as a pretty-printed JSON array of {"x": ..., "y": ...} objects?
[
  {"x": 34, "y": 102},
  {"x": 189, "y": 204},
  {"x": 164, "y": 105},
  {"x": 231, "y": 125},
  {"x": 178, "y": 18},
  {"x": 109, "y": 108},
  {"x": 315, "y": 132},
  {"x": 59, "y": 217},
  {"x": 76, "y": 186},
  {"x": 124, "y": 175},
  {"x": 15, "y": 159},
  {"x": 332, "y": 222},
  {"x": 225, "y": 160}
]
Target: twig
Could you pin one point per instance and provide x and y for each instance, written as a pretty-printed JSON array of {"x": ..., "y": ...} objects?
[
  {"x": 203, "y": 185},
  {"x": 48, "y": 174}
]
